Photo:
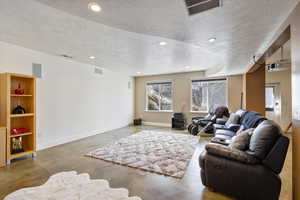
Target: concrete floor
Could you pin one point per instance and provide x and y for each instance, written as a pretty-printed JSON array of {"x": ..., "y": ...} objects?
[{"x": 33, "y": 172}]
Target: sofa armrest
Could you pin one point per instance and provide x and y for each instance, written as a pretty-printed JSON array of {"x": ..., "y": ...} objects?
[
  {"x": 230, "y": 153},
  {"x": 221, "y": 121},
  {"x": 276, "y": 157}
]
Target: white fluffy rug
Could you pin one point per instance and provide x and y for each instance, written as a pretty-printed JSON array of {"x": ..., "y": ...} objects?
[
  {"x": 72, "y": 186},
  {"x": 160, "y": 152}
]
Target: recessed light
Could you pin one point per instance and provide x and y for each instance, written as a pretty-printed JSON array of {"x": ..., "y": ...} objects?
[
  {"x": 187, "y": 67},
  {"x": 162, "y": 43},
  {"x": 139, "y": 72},
  {"x": 92, "y": 57},
  {"x": 213, "y": 39},
  {"x": 94, "y": 7}
]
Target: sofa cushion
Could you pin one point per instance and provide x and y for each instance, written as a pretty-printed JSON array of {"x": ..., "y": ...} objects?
[
  {"x": 233, "y": 119},
  {"x": 242, "y": 140},
  {"x": 219, "y": 126},
  {"x": 263, "y": 138},
  {"x": 225, "y": 132}
]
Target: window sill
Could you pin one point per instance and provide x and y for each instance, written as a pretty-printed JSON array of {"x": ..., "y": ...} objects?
[
  {"x": 159, "y": 111},
  {"x": 199, "y": 112}
]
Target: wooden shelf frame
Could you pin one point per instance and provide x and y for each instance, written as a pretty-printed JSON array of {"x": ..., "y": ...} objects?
[{"x": 8, "y": 101}]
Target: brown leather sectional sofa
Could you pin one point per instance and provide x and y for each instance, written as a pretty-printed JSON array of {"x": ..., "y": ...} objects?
[{"x": 250, "y": 174}]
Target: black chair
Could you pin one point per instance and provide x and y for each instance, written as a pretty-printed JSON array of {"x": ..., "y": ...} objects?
[
  {"x": 215, "y": 112},
  {"x": 178, "y": 121}
]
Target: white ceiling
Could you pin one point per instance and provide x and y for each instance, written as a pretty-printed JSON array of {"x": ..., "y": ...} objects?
[{"x": 124, "y": 36}]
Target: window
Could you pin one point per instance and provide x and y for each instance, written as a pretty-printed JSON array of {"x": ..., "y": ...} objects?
[
  {"x": 270, "y": 99},
  {"x": 206, "y": 93},
  {"x": 159, "y": 96}
]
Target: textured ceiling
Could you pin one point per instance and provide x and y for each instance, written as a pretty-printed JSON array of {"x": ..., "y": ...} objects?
[{"x": 125, "y": 34}]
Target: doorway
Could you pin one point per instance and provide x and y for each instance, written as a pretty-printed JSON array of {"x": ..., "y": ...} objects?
[
  {"x": 278, "y": 90},
  {"x": 273, "y": 102}
]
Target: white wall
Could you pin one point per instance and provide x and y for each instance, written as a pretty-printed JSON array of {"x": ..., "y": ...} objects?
[{"x": 72, "y": 101}]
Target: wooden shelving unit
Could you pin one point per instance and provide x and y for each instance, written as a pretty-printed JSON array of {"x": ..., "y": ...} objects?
[{"x": 8, "y": 101}]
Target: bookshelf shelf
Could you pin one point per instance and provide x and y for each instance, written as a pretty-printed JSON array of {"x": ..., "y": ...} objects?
[
  {"x": 21, "y": 95},
  {"x": 18, "y": 155},
  {"x": 19, "y": 135},
  {"x": 22, "y": 115}
]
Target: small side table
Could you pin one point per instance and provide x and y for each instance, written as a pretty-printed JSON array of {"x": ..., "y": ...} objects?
[{"x": 137, "y": 122}]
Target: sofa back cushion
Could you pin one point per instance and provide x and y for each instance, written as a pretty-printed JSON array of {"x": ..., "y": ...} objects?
[
  {"x": 252, "y": 119},
  {"x": 263, "y": 138},
  {"x": 233, "y": 119},
  {"x": 241, "y": 112}
]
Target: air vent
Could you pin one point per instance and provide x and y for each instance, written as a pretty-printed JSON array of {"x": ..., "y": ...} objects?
[
  {"x": 198, "y": 6},
  {"x": 98, "y": 71},
  {"x": 129, "y": 85},
  {"x": 37, "y": 70}
]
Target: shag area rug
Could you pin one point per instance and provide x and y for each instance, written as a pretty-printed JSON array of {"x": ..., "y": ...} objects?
[
  {"x": 160, "y": 152},
  {"x": 71, "y": 186}
]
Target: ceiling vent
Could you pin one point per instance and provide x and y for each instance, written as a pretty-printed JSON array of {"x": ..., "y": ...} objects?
[
  {"x": 198, "y": 6},
  {"x": 66, "y": 56}
]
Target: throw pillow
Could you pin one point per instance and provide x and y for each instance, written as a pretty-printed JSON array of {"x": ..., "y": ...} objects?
[
  {"x": 263, "y": 138},
  {"x": 241, "y": 129},
  {"x": 242, "y": 140},
  {"x": 233, "y": 119}
]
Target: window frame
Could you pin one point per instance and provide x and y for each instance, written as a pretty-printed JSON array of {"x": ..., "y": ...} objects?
[
  {"x": 268, "y": 109},
  {"x": 206, "y": 80},
  {"x": 172, "y": 95}
]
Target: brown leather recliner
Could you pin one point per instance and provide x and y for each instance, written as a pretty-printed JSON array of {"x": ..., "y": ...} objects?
[{"x": 251, "y": 174}]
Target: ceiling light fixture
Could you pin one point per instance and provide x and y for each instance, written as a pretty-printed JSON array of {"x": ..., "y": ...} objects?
[
  {"x": 162, "y": 43},
  {"x": 139, "y": 72},
  {"x": 187, "y": 67},
  {"x": 211, "y": 40},
  {"x": 92, "y": 57},
  {"x": 94, "y": 7}
]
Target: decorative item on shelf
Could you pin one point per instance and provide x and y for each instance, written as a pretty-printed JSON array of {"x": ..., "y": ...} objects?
[
  {"x": 19, "y": 110},
  {"x": 17, "y": 131},
  {"x": 19, "y": 90},
  {"x": 17, "y": 145}
]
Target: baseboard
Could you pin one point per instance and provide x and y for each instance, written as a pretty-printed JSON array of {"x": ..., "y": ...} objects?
[
  {"x": 157, "y": 124},
  {"x": 72, "y": 138},
  {"x": 64, "y": 140}
]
